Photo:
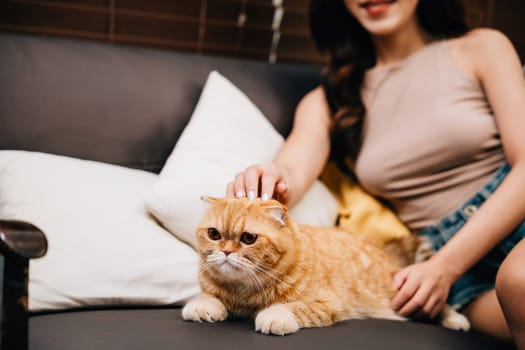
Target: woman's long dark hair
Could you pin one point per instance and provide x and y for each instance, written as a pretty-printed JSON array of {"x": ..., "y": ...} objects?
[{"x": 351, "y": 52}]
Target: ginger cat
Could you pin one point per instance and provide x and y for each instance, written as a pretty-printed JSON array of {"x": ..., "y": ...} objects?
[{"x": 256, "y": 262}]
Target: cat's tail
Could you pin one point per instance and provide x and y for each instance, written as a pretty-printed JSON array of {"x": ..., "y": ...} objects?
[{"x": 409, "y": 250}]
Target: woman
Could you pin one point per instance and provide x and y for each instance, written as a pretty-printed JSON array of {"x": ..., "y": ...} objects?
[{"x": 430, "y": 116}]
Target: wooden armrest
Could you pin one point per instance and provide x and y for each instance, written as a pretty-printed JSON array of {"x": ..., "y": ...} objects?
[
  {"x": 19, "y": 242},
  {"x": 22, "y": 239}
]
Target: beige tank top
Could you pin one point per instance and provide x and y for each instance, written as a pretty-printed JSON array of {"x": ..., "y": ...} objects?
[{"x": 430, "y": 140}]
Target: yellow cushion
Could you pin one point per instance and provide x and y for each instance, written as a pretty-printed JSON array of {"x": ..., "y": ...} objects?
[{"x": 360, "y": 212}]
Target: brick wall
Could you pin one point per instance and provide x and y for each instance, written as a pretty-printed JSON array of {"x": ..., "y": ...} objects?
[{"x": 274, "y": 30}]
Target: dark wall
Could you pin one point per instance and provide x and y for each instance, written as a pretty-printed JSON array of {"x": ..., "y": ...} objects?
[{"x": 243, "y": 28}]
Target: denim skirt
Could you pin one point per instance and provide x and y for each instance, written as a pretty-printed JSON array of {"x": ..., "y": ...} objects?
[{"x": 482, "y": 276}]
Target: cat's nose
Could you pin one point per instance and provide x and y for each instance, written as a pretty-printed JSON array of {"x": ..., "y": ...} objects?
[{"x": 227, "y": 252}]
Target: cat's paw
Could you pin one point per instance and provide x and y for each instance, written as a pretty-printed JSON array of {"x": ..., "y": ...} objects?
[
  {"x": 452, "y": 319},
  {"x": 204, "y": 308},
  {"x": 276, "y": 319}
]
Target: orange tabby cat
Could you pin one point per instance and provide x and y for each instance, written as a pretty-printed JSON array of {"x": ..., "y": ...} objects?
[{"x": 256, "y": 262}]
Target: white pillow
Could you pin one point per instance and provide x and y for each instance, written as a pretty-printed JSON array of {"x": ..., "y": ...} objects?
[
  {"x": 226, "y": 134},
  {"x": 104, "y": 248}
]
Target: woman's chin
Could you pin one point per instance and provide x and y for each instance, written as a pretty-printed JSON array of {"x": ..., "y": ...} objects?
[{"x": 383, "y": 27}]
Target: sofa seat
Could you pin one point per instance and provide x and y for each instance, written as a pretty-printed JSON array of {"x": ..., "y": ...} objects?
[{"x": 163, "y": 328}]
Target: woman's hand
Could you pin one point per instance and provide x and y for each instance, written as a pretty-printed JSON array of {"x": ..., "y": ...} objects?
[
  {"x": 265, "y": 181},
  {"x": 422, "y": 289},
  {"x": 298, "y": 162}
]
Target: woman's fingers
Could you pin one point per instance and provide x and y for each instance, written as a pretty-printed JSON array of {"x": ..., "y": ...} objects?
[
  {"x": 404, "y": 296},
  {"x": 252, "y": 178},
  {"x": 422, "y": 291},
  {"x": 400, "y": 278},
  {"x": 268, "y": 182},
  {"x": 272, "y": 175},
  {"x": 239, "y": 189},
  {"x": 265, "y": 181},
  {"x": 417, "y": 302},
  {"x": 434, "y": 307},
  {"x": 281, "y": 192}
]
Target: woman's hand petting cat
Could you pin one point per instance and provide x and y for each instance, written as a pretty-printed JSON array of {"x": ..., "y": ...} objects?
[
  {"x": 265, "y": 181},
  {"x": 422, "y": 289}
]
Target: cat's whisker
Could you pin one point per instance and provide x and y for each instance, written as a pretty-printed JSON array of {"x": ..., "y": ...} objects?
[
  {"x": 257, "y": 274},
  {"x": 206, "y": 269},
  {"x": 248, "y": 267},
  {"x": 214, "y": 257},
  {"x": 266, "y": 271},
  {"x": 258, "y": 282},
  {"x": 273, "y": 274},
  {"x": 265, "y": 297},
  {"x": 208, "y": 264}
]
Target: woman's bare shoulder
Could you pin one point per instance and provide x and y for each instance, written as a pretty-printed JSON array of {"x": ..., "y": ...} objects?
[
  {"x": 478, "y": 49},
  {"x": 484, "y": 41},
  {"x": 315, "y": 96},
  {"x": 314, "y": 102}
]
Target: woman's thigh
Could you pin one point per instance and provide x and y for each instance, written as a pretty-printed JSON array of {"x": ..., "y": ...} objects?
[
  {"x": 486, "y": 313},
  {"x": 486, "y": 316}
]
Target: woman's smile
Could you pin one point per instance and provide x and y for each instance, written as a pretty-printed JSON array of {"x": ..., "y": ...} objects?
[
  {"x": 384, "y": 17},
  {"x": 376, "y": 8}
]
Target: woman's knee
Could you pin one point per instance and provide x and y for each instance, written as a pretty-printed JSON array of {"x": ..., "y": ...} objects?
[{"x": 510, "y": 279}]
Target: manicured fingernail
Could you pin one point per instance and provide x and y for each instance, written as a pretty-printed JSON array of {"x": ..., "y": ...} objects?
[
  {"x": 265, "y": 196},
  {"x": 239, "y": 194},
  {"x": 251, "y": 195}
]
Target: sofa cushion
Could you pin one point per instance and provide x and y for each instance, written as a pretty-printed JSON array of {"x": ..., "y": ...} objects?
[
  {"x": 226, "y": 134},
  {"x": 164, "y": 329},
  {"x": 103, "y": 247},
  {"x": 122, "y": 105}
]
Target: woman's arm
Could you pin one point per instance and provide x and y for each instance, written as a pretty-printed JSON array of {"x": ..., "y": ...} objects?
[
  {"x": 423, "y": 288},
  {"x": 299, "y": 161}
]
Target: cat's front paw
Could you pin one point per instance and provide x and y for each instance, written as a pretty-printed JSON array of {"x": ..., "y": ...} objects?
[
  {"x": 204, "y": 308},
  {"x": 276, "y": 319},
  {"x": 452, "y": 319}
]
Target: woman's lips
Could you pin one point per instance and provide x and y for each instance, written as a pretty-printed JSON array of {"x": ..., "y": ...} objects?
[{"x": 376, "y": 7}]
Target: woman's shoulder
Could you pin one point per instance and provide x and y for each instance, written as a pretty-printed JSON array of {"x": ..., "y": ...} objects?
[
  {"x": 315, "y": 98},
  {"x": 316, "y": 94},
  {"x": 482, "y": 41},
  {"x": 313, "y": 109},
  {"x": 479, "y": 48}
]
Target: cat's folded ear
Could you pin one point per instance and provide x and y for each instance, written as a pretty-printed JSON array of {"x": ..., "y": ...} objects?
[{"x": 276, "y": 210}]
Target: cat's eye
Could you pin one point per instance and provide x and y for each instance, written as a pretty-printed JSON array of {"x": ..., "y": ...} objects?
[
  {"x": 214, "y": 234},
  {"x": 248, "y": 238}
]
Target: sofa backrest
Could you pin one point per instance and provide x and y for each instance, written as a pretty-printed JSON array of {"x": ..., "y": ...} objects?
[{"x": 123, "y": 105}]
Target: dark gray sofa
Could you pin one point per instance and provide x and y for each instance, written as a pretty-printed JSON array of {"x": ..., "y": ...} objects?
[{"x": 94, "y": 101}]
